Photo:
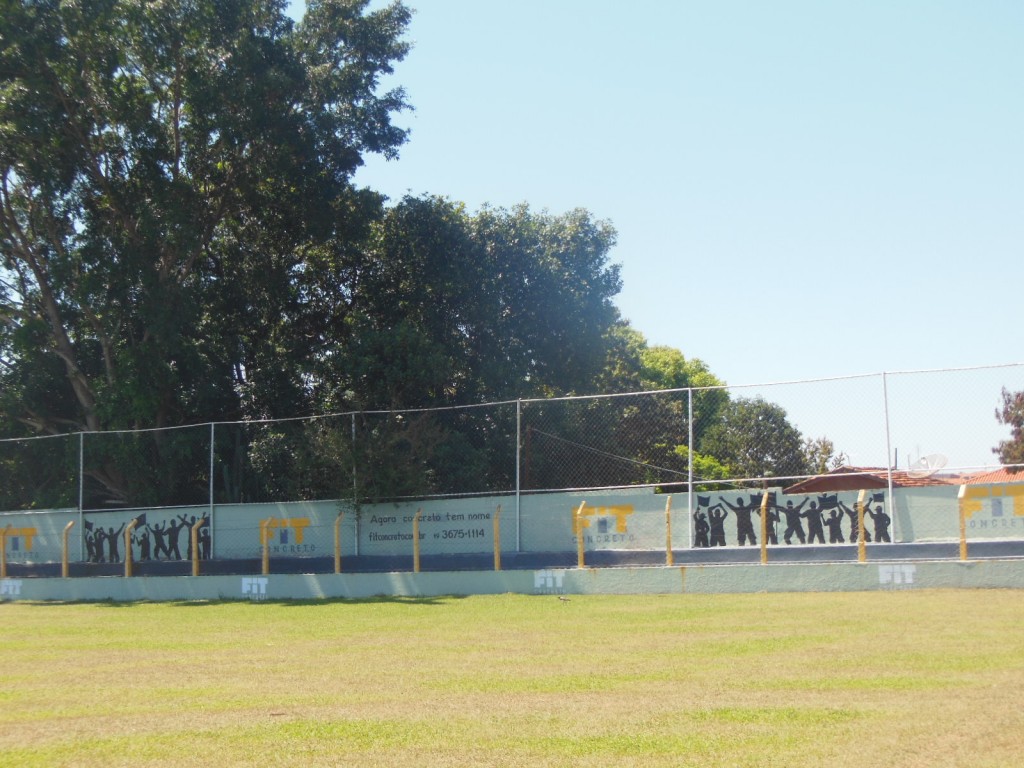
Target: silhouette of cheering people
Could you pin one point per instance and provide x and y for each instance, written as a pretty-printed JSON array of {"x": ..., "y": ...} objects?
[
  {"x": 834, "y": 524},
  {"x": 794, "y": 524},
  {"x": 701, "y": 529},
  {"x": 881, "y": 521},
  {"x": 717, "y": 522},
  {"x": 854, "y": 527},
  {"x": 744, "y": 524},
  {"x": 815, "y": 529}
]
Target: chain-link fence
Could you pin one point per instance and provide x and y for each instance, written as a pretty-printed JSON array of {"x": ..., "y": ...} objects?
[{"x": 688, "y": 439}]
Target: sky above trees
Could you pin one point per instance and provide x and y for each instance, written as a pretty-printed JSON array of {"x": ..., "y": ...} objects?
[{"x": 800, "y": 189}]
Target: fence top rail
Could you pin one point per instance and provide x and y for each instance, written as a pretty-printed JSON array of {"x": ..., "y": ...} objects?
[{"x": 518, "y": 402}]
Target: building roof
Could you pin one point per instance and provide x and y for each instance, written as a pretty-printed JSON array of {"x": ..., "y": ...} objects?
[
  {"x": 1001, "y": 475},
  {"x": 847, "y": 478}
]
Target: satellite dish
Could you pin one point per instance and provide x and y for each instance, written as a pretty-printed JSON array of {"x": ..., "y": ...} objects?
[{"x": 926, "y": 466}]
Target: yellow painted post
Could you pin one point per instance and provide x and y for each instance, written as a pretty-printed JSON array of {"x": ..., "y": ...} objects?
[
  {"x": 416, "y": 541},
  {"x": 194, "y": 533},
  {"x": 961, "y": 498},
  {"x": 337, "y": 541},
  {"x": 497, "y": 538},
  {"x": 862, "y": 552},
  {"x": 764, "y": 528},
  {"x": 265, "y": 541},
  {"x": 3, "y": 551},
  {"x": 578, "y": 525},
  {"x": 65, "y": 562},
  {"x": 668, "y": 531},
  {"x": 128, "y": 555}
]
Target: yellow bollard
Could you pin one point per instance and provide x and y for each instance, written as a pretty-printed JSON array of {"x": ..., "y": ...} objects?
[
  {"x": 764, "y": 528},
  {"x": 337, "y": 541},
  {"x": 497, "y": 539},
  {"x": 668, "y": 531},
  {"x": 3, "y": 551},
  {"x": 265, "y": 526},
  {"x": 194, "y": 533},
  {"x": 961, "y": 499},
  {"x": 128, "y": 555},
  {"x": 416, "y": 541},
  {"x": 65, "y": 562},
  {"x": 578, "y": 521},
  {"x": 862, "y": 553}
]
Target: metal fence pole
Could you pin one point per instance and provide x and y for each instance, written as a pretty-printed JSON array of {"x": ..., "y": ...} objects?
[
  {"x": 81, "y": 495},
  {"x": 888, "y": 455},
  {"x": 355, "y": 484},
  {"x": 212, "y": 526},
  {"x": 519, "y": 451},
  {"x": 689, "y": 468}
]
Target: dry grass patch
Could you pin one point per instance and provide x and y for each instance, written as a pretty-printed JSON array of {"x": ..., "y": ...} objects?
[{"x": 867, "y": 679}]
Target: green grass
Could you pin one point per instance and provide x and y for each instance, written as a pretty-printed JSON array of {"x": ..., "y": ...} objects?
[{"x": 916, "y": 678}]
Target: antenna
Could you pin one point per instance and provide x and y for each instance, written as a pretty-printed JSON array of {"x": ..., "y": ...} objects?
[{"x": 926, "y": 466}]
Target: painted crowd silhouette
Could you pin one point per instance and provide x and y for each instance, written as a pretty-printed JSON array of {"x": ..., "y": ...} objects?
[
  {"x": 827, "y": 512},
  {"x": 150, "y": 541}
]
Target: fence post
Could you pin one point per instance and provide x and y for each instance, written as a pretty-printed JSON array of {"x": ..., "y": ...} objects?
[
  {"x": 212, "y": 470},
  {"x": 194, "y": 533},
  {"x": 416, "y": 541},
  {"x": 128, "y": 554},
  {"x": 337, "y": 541},
  {"x": 961, "y": 503},
  {"x": 65, "y": 565},
  {"x": 519, "y": 451},
  {"x": 862, "y": 554},
  {"x": 497, "y": 538},
  {"x": 689, "y": 467},
  {"x": 3, "y": 551},
  {"x": 81, "y": 490},
  {"x": 888, "y": 456},
  {"x": 578, "y": 525},
  {"x": 668, "y": 531},
  {"x": 764, "y": 527},
  {"x": 265, "y": 541}
]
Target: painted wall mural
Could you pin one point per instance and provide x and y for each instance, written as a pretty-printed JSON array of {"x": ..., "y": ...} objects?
[
  {"x": 805, "y": 520},
  {"x": 162, "y": 535},
  {"x": 631, "y": 519}
]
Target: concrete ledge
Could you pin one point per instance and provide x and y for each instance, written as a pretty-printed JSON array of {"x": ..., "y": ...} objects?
[{"x": 703, "y": 579}]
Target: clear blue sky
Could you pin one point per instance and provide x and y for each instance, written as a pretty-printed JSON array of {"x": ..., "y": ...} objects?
[{"x": 801, "y": 189}]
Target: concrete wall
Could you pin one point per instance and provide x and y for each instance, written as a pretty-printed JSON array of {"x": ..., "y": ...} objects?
[
  {"x": 629, "y": 520},
  {"x": 826, "y": 577}
]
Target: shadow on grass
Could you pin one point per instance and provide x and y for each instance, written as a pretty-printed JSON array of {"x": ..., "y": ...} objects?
[{"x": 375, "y": 599}]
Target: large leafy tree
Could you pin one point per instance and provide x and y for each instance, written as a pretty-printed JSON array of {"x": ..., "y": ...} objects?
[
  {"x": 175, "y": 189},
  {"x": 452, "y": 308},
  {"x": 755, "y": 439},
  {"x": 1011, "y": 414}
]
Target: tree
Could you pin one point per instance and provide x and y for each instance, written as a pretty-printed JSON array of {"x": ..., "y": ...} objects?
[
  {"x": 449, "y": 308},
  {"x": 1011, "y": 451},
  {"x": 754, "y": 439},
  {"x": 165, "y": 170},
  {"x": 821, "y": 456}
]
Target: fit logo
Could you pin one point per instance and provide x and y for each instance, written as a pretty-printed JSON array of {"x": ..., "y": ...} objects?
[
  {"x": 284, "y": 527},
  {"x": 255, "y": 587},
  {"x": 619, "y": 511},
  {"x": 10, "y": 588},
  {"x": 548, "y": 582},
  {"x": 16, "y": 536},
  {"x": 972, "y": 498},
  {"x": 896, "y": 575}
]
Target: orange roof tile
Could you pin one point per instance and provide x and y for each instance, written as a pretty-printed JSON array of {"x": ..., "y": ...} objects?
[
  {"x": 1001, "y": 475},
  {"x": 867, "y": 478}
]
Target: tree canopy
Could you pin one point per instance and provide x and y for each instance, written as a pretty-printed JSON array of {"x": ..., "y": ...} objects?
[
  {"x": 164, "y": 168},
  {"x": 1011, "y": 414},
  {"x": 182, "y": 241}
]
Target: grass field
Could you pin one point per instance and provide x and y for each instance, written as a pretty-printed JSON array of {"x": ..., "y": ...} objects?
[{"x": 923, "y": 678}]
